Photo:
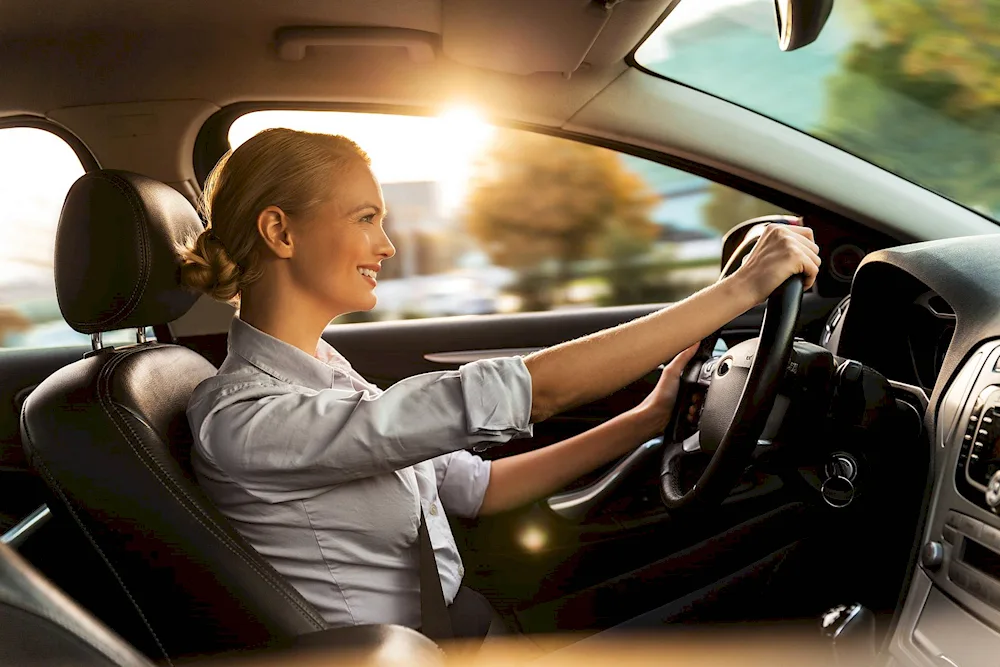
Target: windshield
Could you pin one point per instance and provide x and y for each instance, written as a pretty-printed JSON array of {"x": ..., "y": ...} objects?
[{"x": 912, "y": 86}]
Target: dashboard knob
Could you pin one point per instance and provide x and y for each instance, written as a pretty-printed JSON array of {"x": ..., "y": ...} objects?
[
  {"x": 993, "y": 491},
  {"x": 932, "y": 555},
  {"x": 837, "y": 491}
]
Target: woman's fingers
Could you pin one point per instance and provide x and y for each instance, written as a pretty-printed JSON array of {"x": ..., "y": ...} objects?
[{"x": 781, "y": 252}]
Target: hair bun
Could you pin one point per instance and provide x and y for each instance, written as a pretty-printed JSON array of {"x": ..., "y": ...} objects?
[{"x": 207, "y": 267}]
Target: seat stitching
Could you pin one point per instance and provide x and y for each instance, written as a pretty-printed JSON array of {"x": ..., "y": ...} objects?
[
  {"x": 39, "y": 462},
  {"x": 167, "y": 483},
  {"x": 138, "y": 218}
]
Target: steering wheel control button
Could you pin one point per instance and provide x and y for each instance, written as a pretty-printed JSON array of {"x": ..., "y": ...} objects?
[
  {"x": 993, "y": 491},
  {"x": 838, "y": 491},
  {"x": 932, "y": 556}
]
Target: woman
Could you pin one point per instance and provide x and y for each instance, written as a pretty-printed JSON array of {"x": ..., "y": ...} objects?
[{"x": 326, "y": 475}]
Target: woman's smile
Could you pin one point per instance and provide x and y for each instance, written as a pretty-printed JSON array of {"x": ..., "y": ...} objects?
[{"x": 370, "y": 274}]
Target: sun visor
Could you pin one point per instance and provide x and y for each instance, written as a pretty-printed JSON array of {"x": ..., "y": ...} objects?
[{"x": 529, "y": 36}]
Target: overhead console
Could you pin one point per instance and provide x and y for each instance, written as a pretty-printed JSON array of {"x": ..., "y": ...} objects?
[{"x": 952, "y": 612}]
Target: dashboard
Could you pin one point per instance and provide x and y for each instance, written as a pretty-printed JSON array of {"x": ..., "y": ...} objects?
[
  {"x": 928, "y": 314},
  {"x": 919, "y": 334}
]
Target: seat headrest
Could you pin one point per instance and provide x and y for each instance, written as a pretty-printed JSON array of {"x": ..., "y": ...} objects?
[{"x": 116, "y": 263}]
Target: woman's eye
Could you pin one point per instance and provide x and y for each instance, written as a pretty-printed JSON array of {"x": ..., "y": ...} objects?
[{"x": 368, "y": 218}]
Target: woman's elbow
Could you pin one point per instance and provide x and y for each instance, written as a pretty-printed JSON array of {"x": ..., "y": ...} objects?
[{"x": 543, "y": 406}]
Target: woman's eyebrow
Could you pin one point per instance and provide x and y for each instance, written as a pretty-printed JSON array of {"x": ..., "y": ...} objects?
[{"x": 358, "y": 209}]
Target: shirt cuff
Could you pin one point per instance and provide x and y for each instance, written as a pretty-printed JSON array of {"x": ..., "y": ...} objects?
[
  {"x": 497, "y": 395},
  {"x": 463, "y": 485}
]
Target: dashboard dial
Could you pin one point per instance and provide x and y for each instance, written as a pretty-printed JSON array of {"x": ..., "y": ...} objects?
[{"x": 845, "y": 260}]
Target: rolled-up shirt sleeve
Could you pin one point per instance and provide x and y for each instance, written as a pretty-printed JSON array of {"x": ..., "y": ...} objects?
[
  {"x": 462, "y": 479},
  {"x": 284, "y": 442}
]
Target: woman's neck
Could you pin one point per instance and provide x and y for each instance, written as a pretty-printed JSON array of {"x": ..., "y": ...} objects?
[{"x": 287, "y": 316}]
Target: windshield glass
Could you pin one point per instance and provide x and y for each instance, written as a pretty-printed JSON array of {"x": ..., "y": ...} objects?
[{"x": 912, "y": 86}]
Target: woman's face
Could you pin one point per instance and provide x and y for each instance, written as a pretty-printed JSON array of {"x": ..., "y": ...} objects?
[{"x": 340, "y": 248}]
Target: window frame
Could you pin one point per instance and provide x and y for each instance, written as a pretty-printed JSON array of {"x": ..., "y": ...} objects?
[
  {"x": 212, "y": 142},
  {"x": 87, "y": 158}
]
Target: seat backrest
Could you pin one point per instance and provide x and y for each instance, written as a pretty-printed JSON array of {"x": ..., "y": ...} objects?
[
  {"x": 39, "y": 625},
  {"x": 110, "y": 437}
]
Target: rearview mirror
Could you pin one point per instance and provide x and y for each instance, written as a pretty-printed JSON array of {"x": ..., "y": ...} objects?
[{"x": 800, "y": 21}]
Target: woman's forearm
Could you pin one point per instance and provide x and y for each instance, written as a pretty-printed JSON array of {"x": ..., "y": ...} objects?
[
  {"x": 521, "y": 479},
  {"x": 586, "y": 369}
]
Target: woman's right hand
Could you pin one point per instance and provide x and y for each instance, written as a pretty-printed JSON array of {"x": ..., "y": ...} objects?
[{"x": 782, "y": 251}]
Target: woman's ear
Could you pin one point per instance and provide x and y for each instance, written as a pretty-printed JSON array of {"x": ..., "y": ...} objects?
[{"x": 273, "y": 227}]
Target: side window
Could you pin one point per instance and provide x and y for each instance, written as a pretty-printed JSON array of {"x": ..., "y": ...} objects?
[
  {"x": 36, "y": 173},
  {"x": 494, "y": 220}
]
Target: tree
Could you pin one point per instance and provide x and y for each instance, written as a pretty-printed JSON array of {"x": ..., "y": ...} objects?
[
  {"x": 12, "y": 321},
  {"x": 538, "y": 204},
  {"x": 924, "y": 100}
]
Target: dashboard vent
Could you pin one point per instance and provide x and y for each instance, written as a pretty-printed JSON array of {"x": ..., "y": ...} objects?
[{"x": 937, "y": 306}]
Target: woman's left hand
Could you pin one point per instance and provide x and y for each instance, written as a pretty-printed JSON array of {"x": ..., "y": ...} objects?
[{"x": 659, "y": 405}]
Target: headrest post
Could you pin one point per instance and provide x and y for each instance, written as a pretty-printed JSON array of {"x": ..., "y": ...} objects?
[
  {"x": 140, "y": 335},
  {"x": 97, "y": 341}
]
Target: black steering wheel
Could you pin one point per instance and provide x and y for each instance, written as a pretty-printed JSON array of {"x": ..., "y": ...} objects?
[{"x": 739, "y": 400}]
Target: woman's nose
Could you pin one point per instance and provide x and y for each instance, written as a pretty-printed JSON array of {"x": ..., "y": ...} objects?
[{"x": 385, "y": 247}]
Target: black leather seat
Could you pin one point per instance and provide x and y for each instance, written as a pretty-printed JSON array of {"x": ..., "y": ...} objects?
[
  {"x": 41, "y": 626},
  {"x": 110, "y": 437}
]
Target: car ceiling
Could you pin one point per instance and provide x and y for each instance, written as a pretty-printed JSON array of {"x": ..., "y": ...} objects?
[{"x": 107, "y": 51}]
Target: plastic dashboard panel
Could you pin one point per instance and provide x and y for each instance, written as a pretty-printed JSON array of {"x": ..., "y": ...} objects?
[
  {"x": 971, "y": 612},
  {"x": 965, "y": 272}
]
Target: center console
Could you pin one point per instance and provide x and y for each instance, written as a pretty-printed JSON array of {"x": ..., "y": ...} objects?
[{"x": 952, "y": 611}]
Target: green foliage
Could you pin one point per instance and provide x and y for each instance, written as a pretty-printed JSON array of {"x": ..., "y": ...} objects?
[
  {"x": 924, "y": 101},
  {"x": 539, "y": 200}
]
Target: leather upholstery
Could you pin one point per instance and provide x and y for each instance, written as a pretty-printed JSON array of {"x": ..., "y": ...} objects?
[
  {"x": 116, "y": 265},
  {"x": 41, "y": 626},
  {"x": 109, "y": 433}
]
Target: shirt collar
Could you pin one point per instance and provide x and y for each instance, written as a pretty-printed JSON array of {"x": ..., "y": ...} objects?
[{"x": 282, "y": 360}]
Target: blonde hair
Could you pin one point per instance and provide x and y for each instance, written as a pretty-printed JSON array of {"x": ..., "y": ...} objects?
[{"x": 278, "y": 167}]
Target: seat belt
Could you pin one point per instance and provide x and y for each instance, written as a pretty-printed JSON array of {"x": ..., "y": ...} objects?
[{"x": 434, "y": 617}]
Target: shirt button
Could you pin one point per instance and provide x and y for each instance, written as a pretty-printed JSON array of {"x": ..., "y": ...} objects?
[{"x": 434, "y": 509}]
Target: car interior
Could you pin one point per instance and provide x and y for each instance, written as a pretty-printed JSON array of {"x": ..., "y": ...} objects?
[{"x": 832, "y": 463}]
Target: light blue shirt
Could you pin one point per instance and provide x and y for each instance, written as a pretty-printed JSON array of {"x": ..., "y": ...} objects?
[{"x": 324, "y": 473}]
